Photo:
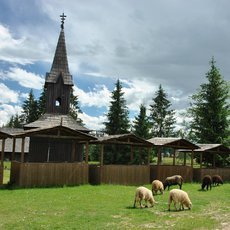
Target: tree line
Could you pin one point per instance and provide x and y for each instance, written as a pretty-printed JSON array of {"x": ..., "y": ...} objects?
[{"x": 209, "y": 113}]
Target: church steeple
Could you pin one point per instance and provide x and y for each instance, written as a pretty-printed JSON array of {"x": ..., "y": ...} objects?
[{"x": 59, "y": 80}]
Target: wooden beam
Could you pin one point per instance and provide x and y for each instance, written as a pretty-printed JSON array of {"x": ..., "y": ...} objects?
[
  {"x": 184, "y": 158},
  {"x": 174, "y": 156},
  {"x": 131, "y": 154},
  {"x": 23, "y": 150},
  {"x": 13, "y": 150},
  {"x": 149, "y": 150},
  {"x": 201, "y": 160},
  {"x": 102, "y": 154},
  {"x": 2, "y": 152},
  {"x": 158, "y": 155},
  {"x": 73, "y": 151},
  {"x": 192, "y": 158},
  {"x": 87, "y": 152}
]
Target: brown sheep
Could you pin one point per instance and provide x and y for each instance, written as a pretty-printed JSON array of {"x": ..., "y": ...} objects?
[
  {"x": 216, "y": 180},
  {"x": 173, "y": 180},
  {"x": 206, "y": 182}
]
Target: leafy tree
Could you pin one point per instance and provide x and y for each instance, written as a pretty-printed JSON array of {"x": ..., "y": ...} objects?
[
  {"x": 210, "y": 109},
  {"x": 30, "y": 109},
  {"x": 118, "y": 121},
  {"x": 142, "y": 124},
  {"x": 161, "y": 116}
]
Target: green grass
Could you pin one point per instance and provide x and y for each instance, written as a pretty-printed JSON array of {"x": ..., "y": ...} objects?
[{"x": 110, "y": 207}]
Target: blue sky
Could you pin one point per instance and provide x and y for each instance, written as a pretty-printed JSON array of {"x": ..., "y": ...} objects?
[{"x": 143, "y": 43}]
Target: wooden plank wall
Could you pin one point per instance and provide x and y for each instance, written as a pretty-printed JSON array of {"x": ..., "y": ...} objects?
[
  {"x": 200, "y": 173},
  {"x": 160, "y": 172},
  {"x": 49, "y": 174},
  {"x": 125, "y": 174}
]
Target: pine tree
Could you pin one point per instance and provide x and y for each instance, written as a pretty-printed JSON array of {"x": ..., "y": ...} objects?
[
  {"x": 142, "y": 124},
  {"x": 210, "y": 109},
  {"x": 14, "y": 122},
  {"x": 74, "y": 107},
  {"x": 161, "y": 116},
  {"x": 118, "y": 121},
  {"x": 30, "y": 109},
  {"x": 42, "y": 102}
]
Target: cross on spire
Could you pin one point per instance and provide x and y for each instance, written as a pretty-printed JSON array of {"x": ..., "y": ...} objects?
[{"x": 63, "y": 16}]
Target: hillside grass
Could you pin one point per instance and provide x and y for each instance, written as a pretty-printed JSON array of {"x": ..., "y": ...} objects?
[{"x": 110, "y": 207}]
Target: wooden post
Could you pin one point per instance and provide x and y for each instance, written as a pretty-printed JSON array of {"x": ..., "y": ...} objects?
[
  {"x": 73, "y": 151},
  {"x": 13, "y": 150},
  {"x": 102, "y": 154},
  {"x": 158, "y": 155},
  {"x": 184, "y": 158},
  {"x": 201, "y": 160},
  {"x": 23, "y": 150},
  {"x": 140, "y": 152},
  {"x": 2, "y": 153},
  {"x": 192, "y": 158},
  {"x": 214, "y": 160},
  {"x": 87, "y": 152},
  {"x": 149, "y": 150},
  {"x": 131, "y": 155},
  {"x": 174, "y": 156}
]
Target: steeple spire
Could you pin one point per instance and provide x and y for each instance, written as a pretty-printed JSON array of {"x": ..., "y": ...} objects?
[{"x": 59, "y": 81}]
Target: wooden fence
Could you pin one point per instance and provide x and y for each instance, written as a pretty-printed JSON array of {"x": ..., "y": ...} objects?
[
  {"x": 199, "y": 173},
  {"x": 48, "y": 174},
  {"x": 119, "y": 174},
  {"x": 160, "y": 172}
]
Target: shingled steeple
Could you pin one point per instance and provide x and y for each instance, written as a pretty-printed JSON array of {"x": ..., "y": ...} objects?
[{"x": 59, "y": 81}]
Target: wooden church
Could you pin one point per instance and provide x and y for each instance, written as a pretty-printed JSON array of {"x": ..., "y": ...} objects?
[{"x": 58, "y": 148}]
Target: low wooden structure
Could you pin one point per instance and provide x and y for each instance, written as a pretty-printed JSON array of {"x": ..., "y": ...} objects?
[
  {"x": 160, "y": 171},
  {"x": 120, "y": 174},
  {"x": 52, "y": 171},
  {"x": 213, "y": 150}
]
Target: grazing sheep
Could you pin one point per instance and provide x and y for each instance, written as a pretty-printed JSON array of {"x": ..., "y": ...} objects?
[
  {"x": 216, "y": 180},
  {"x": 143, "y": 193},
  {"x": 173, "y": 180},
  {"x": 157, "y": 186},
  {"x": 206, "y": 182},
  {"x": 179, "y": 196}
]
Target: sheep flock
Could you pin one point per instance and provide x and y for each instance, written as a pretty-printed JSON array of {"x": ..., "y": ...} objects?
[{"x": 179, "y": 197}]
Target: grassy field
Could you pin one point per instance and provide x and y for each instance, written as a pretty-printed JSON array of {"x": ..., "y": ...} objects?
[{"x": 110, "y": 207}]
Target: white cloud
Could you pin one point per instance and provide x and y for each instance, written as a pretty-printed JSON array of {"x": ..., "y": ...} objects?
[
  {"x": 6, "y": 111},
  {"x": 93, "y": 123},
  {"x": 98, "y": 96},
  {"x": 7, "y": 95},
  {"x": 24, "y": 78}
]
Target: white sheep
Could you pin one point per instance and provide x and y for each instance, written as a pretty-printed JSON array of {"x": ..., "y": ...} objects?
[
  {"x": 157, "y": 185},
  {"x": 179, "y": 196},
  {"x": 143, "y": 193}
]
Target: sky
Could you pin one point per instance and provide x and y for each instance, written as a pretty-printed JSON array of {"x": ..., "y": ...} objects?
[{"x": 143, "y": 43}]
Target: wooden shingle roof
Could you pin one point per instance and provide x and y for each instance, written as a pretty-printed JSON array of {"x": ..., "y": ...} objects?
[
  {"x": 51, "y": 120},
  {"x": 218, "y": 148},
  {"x": 178, "y": 143},
  {"x": 60, "y": 66},
  {"x": 126, "y": 139}
]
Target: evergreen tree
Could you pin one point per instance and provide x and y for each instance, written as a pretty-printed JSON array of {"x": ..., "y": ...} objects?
[
  {"x": 42, "y": 102},
  {"x": 210, "y": 109},
  {"x": 74, "y": 109},
  {"x": 142, "y": 124},
  {"x": 161, "y": 116},
  {"x": 30, "y": 109},
  {"x": 118, "y": 121},
  {"x": 14, "y": 122}
]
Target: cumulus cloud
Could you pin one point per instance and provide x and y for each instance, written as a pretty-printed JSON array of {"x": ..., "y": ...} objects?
[
  {"x": 91, "y": 122},
  {"x": 24, "y": 78},
  {"x": 6, "y": 111},
  {"x": 7, "y": 95}
]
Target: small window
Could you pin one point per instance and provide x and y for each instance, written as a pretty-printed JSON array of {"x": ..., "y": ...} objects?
[{"x": 58, "y": 102}]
